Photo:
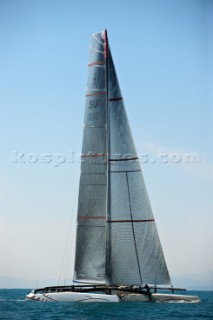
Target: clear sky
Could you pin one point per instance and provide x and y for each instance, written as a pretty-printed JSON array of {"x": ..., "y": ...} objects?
[{"x": 163, "y": 53}]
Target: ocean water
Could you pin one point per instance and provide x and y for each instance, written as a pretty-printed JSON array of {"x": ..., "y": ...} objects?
[{"x": 14, "y": 307}]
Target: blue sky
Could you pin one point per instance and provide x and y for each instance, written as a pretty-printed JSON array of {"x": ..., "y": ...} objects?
[{"x": 163, "y": 55}]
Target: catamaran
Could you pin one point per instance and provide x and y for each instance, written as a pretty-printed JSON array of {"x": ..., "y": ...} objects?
[{"x": 119, "y": 256}]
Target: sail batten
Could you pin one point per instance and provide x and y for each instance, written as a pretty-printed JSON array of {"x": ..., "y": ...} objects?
[{"x": 117, "y": 239}]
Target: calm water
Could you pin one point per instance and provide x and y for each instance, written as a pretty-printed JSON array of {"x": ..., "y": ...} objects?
[{"x": 13, "y": 306}]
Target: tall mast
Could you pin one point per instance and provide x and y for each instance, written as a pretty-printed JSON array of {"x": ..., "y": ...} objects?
[{"x": 108, "y": 240}]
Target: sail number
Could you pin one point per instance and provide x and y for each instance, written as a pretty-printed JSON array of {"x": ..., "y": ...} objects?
[
  {"x": 93, "y": 116},
  {"x": 93, "y": 105}
]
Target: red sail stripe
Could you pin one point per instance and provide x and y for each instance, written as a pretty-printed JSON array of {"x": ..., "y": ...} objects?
[
  {"x": 95, "y": 63},
  {"x": 115, "y": 99},
  {"x": 95, "y": 94},
  {"x": 148, "y": 220}
]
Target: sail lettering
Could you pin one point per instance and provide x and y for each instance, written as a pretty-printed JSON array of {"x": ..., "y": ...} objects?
[
  {"x": 93, "y": 116},
  {"x": 94, "y": 103}
]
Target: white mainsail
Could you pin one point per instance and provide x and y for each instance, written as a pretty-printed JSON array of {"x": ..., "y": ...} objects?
[{"x": 117, "y": 239}]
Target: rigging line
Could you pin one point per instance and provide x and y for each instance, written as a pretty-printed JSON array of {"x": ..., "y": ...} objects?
[
  {"x": 72, "y": 237},
  {"x": 67, "y": 240},
  {"x": 133, "y": 231}
]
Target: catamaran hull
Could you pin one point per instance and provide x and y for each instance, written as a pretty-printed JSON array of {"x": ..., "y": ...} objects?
[
  {"x": 121, "y": 297},
  {"x": 72, "y": 297},
  {"x": 160, "y": 297}
]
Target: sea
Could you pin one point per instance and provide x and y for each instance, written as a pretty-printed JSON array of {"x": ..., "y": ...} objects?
[{"x": 14, "y": 307}]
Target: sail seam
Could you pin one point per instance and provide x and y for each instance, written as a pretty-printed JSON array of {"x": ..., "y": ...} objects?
[
  {"x": 91, "y": 217},
  {"x": 96, "y": 63},
  {"x": 88, "y": 226},
  {"x": 93, "y": 155},
  {"x": 94, "y": 89},
  {"x": 133, "y": 231},
  {"x": 126, "y": 171},
  {"x": 93, "y": 184},
  {"x": 100, "y": 127},
  {"x": 95, "y": 94},
  {"x": 126, "y": 159},
  {"x": 94, "y": 173}
]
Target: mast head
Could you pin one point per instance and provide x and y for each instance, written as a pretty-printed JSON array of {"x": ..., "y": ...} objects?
[{"x": 106, "y": 46}]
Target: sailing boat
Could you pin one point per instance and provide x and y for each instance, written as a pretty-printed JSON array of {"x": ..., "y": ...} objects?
[{"x": 118, "y": 252}]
